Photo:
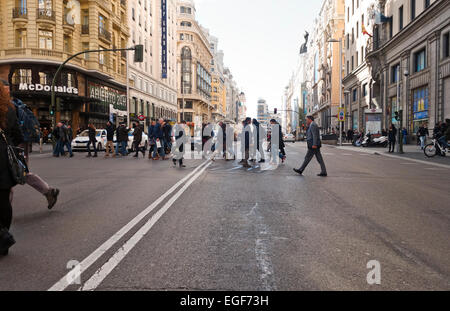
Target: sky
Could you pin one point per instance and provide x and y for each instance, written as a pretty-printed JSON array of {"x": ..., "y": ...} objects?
[{"x": 261, "y": 40}]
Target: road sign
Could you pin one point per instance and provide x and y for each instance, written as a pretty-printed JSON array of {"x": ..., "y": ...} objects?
[
  {"x": 341, "y": 115},
  {"x": 141, "y": 117}
]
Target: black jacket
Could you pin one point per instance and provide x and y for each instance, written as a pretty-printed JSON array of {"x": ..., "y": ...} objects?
[
  {"x": 110, "y": 132},
  {"x": 392, "y": 134},
  {"x": 14, "y": 136},
  {"x": 92, "y": 134},
  {"x": 137, "y": 134},
  {"x": 123, "y": 133}
]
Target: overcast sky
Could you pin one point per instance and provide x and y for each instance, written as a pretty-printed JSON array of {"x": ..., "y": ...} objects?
[{"x": 261, "y": 40}]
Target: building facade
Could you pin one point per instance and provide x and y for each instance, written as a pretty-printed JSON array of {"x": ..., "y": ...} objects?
[
  {"x": 263, "y": 115},
  {"x": 37, "y": 36},
  {"x": 364, "y": 112},
  {"x": 218, "y": 93},
  {"x": 152, "y": 84},
  {"x": 409, "y": 59},
  {"x": 193, "y": 66}
]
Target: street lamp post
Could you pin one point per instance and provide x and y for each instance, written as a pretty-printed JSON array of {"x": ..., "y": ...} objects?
[{"x": 340, "y": 84}]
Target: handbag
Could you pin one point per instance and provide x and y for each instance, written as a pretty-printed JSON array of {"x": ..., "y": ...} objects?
[
  {"x": 17, "y": 164},
  {"x": 158, "y": 144}
]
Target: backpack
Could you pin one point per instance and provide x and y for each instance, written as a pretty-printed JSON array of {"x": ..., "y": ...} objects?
[{"x": 28, "y": 122}]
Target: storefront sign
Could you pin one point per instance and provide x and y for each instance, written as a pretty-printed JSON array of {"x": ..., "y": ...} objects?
[
  {"x": 164, "y": 38},
  {"x": 47, "y": 88},
  {"x": 108, "y": 95}
]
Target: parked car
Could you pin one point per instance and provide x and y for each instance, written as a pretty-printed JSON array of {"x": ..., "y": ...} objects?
[
  {"x": 289, "y": 138},
  {"x": 80, "y": 142},
  {"x": 130, "y": 147}
]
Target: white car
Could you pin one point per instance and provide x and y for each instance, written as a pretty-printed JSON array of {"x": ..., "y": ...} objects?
[
  {"x": 144, "y": 143},
  {"x": 80, "y": 142},
  {"x": 289, "y": 137}
]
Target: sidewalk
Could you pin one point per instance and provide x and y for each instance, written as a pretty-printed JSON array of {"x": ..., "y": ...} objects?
[{"x": 411, "y": 152}]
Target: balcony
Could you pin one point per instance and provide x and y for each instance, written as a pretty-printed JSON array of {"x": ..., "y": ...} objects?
[
  {"x": 84, "y": 29},
  {"x": 21, "y": 13},
  {"x": 45, "y": 15},
  {"x": 104, "y": 34}
]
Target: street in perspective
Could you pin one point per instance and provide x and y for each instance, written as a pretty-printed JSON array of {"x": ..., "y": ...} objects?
[{"x": 181, "y": 145}]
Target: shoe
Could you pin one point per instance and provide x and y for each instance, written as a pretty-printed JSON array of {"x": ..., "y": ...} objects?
[
  {"x": 298, "y": 171},
  {"x": 246, "y": 165},
  {"x": 322, "y": 175},
  {"x": 71, "y": 155},
  {"x": 6, "y": 241},
  {"x": 174, "y": 163},
  {"x": 182, "y": 165},
  {"x": 95, "y": 156},
  {"x": 88, "y": 156},
  {"x": 52, "y": 197},
  {"x": 262, "y": 161},
  {"x": 241, "y": 162}
]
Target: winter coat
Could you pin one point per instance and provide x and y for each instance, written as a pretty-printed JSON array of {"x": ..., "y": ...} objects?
[
  {"x": 123, "y": 134},
  {"x": 92, "y": 134},
  {"x": 110, "y": 132},
  {"x": 158, "y": 132},
  {"x": 137, "y": 134},
  {"x": 15, "y": 137}
]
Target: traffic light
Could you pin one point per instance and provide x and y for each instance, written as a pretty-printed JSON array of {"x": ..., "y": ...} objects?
[
  {"x": 139, "y": 53},
  {"x": 275, "y": 111}
]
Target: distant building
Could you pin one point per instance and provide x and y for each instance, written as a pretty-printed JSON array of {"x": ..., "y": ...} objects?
[{"x": 263, "y": 112}]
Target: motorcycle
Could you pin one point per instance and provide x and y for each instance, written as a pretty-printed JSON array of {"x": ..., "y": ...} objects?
[{"x": 381, "y": 141}]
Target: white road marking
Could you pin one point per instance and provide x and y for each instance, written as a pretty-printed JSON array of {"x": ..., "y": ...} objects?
[
  {"x": 109, "y": 266},
  {"x": 235, "y": 168},
  {"x": 347, "y": 154},
  {"x": 408, "y": 163},
  {"x": 62, "y": 284},
  {"x": 435, "y": 169}
]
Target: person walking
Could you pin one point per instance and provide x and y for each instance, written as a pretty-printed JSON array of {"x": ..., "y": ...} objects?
[
  {"x": 276, "y": 127},
  {"x": 422, "y": 134},
  {"x": 314, "y": 145},
  {"x": 109, "y": 148},
  {"x": 392, "y": 137},
  {"x": 167, "y": 130},
  {"x": 260, "y": 133},
  {"x": 137, "y": 139},
  {"x": 122, "y": 138},
  {"x": 159, "y": 141},
  {"x": 92, "y": 140},
  {"x": 405, "y": 136},
  {"x": 350, "y": 135},
  {"x": 180, "y": 140},
  {"x": 151, "y": 139},
  {"x": 26, "y": 126},
  {"x": 9, "y": 130},
  {"x": 67, "y": 142}
]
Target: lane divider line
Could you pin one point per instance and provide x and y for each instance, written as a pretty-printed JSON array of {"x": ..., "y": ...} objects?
[
  {"x": 63, "y": 283},
  {"x": 115, "y": 260}
]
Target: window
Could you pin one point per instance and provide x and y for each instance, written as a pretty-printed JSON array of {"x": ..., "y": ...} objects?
[
  {"x": 348, "y": 14},
  {"x": 44, "y": 78},
  {"x": 186, "y": 71},
  {"x": 364, "y": 90},
  {"x": 357, "y": 58},
  {"x": 348, "y": 71},
  {"x": 45, "y": 4},
  {"x": 348, "y": 41},
  {"x": 132, "y": 14},
  {"x": 357, "y": 29},
  {"x": 21, "y": 76},
  {"x": 353, "y": 7},
  {"x": 85, "y": 48},
  {"x": 355, "y": 95},
  {"x": 446, "y": 45},
  {"x": 413, "y": 9},
  {"x": 21, "y": 38},
  {"x": 67, "y": 44},
  {"x": 353, "y": 35},
  {"x": 420, "y": 107},
  {"x": 46, "y": 39},
  {"x": 362, "y": 54},
  {"x": 391, "y": 28},
  {"x": 427, "y": 3},
  {"x": 394, "y": 73},
  {"x": 353, "y": 63},
  {"x": 400, "y": 18},
  {"x": 420, "y": 61}
]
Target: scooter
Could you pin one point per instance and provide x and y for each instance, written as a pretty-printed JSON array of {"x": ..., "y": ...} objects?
[{"x": 376, "y": 142}]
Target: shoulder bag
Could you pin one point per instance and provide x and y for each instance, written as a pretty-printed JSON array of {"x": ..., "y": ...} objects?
[{"x": 17, "y": 163}]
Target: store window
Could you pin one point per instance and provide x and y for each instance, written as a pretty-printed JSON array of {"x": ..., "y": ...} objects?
[
  {"x": 355, "y": 120},
  {"x": 21, "y": 76},
  {"x": 46, "y": 39},
  {"x": 394, "y": 108},
  {"x": 420, "y": 107}
]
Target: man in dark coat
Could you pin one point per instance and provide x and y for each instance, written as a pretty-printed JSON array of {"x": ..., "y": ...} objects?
[
  {"x": 137, "y": 139},
  {"x": 122, "y": 138},
  {"x": 92, "y": 140},
  {"x": 260, "y": 133},
  {"x": 314, "y": 145}
]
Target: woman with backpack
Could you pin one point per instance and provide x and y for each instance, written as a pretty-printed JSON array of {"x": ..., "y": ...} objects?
[{"x": 10, "y": 131}]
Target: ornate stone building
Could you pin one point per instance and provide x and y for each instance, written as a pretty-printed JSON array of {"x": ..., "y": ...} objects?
[
  {"x": 409, "y": 59},
  {"x": 36, "y": 36},
  {"x": 193, "y": 66}
]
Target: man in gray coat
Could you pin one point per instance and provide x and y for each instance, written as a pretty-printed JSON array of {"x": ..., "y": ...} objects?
[{"x": 314, "y": 145}]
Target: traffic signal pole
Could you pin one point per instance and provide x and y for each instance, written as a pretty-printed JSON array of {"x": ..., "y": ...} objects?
[{"x": 137, "y": 48}]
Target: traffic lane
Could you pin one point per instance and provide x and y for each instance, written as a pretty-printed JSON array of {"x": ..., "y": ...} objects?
[
  {"x": 98, "y": 197},
  {"x": 402, "y": 204},
  {"x": 293, "y": 232}
]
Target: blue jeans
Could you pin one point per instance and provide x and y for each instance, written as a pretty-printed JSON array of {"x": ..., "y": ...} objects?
[
  {"x": 161, "y": 150},
  {"x": 117, "y": 148},
  {"x": 69, "y": 147},
  {"x": 59, "y": 148},
  {"x": 422, "y": 141},
  {"x": 123, "y": 148},
  {"x": 443, "y": 141}
]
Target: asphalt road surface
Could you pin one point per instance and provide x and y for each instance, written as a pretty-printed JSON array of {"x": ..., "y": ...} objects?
[{"x": 135, "y": 224}]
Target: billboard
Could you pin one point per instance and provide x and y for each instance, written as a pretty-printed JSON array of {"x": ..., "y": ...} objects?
[{"x": 164, "y": 39}]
